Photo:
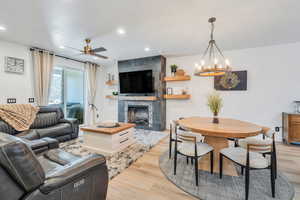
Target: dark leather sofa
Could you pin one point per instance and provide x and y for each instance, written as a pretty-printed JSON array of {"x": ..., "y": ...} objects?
[
  {"x": 49, "y": 122},
  {"x": 53, "y": 175}
]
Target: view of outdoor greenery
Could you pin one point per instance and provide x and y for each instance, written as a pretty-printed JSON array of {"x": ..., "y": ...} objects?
[{"x": 67, "y": 91}]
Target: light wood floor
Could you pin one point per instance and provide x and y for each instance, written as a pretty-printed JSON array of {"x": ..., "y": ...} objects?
[{"x": 143, "y": 180}]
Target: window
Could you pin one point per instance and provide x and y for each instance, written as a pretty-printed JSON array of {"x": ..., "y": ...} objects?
[{"x": 67, "y": 91}]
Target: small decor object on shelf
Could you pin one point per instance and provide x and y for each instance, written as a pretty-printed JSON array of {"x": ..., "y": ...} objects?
[
  {"x": 14, "y": 65},
  {"x": 173, "y": 69},
  {"x": 297, "y": 106},
  {"x": 215, "y": 103},
  {"x": 185, "y": 91},
  {"x": 177, "y": 90},
  {"x": 169, "y": 91},
  {"x": 216, "y": 64},
  {"x": 236, "y": 80},
  {"x": 115, "y": 93},
  {"x": 179, "y": 72}
]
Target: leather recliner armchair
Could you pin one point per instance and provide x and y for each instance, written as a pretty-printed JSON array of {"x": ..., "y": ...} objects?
[{"x": 54, "y": 175}]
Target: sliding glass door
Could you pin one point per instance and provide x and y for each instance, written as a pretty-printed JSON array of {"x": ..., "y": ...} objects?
[{"x": 67, "y": 91}]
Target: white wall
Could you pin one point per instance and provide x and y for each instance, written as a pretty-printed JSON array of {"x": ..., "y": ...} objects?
[
  {"x": 17, "y": 86},
  {"x": 20, "y": 86},
  {"x": 108, "y": 109},
  {"x": 273, "y": 84}
]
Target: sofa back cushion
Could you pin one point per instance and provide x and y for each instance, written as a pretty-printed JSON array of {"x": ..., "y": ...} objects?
[
  {"x": 44, "y": 120},
  {"x": 20, "y": 162},
  {"x": 6, "y": 128}
]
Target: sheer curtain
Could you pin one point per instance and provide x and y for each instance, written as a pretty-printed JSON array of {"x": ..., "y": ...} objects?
[
  {"x": 42, "y": 69},
  {"x": 91, "y": 70}
]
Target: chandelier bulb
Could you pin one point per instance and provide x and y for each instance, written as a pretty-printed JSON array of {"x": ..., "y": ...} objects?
[
  {"x": 216, "y": 61},
  {"x": 227, "y": 62},
  {"x": 202, "y": 62}
]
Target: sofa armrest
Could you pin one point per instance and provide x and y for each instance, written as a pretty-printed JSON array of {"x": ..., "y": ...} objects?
[
  {"x": 41, "y": 145},
  {"x": 74, "y": 123},
  {"x": 31, "y": 134},
  {"x": 75, "y": 172}
]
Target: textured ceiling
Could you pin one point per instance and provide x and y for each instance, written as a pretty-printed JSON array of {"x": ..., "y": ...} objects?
[{"x": 168, "y": 27}]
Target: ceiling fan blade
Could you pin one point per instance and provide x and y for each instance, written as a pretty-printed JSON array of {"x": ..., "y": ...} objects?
[
  {"x": 100, "y": 49},
  {"x": 99, "y": 56},
  {"x": 80, "y": 54},
  {"x": 73, "y": 48}
]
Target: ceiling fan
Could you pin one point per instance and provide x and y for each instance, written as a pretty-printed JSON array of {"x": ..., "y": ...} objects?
[{"x": 87, "y": 50}]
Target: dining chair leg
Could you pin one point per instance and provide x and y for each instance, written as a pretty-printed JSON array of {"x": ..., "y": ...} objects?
[
  {"x": 170, "y": 148},
  {"x": 175, "y": 162},
  {"x": 247, "y": 183},
  {"x": 187, "y": 160},
  {"x": 272, "y": 169},
  {"x": 196, "y": 170},
  {"x": 236, "y": 144},
  {"x": 221, "y": 165},
  {"x": 212, "y": 162},
  {"x": 275, "y": 164},
  {"x": 192, "y": 161},
  {"x": 242, "y": 170}
]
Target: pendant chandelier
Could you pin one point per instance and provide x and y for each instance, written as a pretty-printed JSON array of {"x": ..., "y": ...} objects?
[{"x": 213, "y": 62}]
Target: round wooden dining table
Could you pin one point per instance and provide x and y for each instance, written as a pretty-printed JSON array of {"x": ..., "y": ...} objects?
[{"x": 216, "y": 135}]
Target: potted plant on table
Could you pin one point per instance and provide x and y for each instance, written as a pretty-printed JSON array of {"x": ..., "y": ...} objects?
[{"x": 215, "y": 103}]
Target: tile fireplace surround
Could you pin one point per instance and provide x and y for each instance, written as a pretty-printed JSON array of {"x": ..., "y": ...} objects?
[{"x": 146, "y": 113}]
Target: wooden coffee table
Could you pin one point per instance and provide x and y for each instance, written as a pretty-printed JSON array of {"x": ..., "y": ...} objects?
[{"x": 108, "y": 140}]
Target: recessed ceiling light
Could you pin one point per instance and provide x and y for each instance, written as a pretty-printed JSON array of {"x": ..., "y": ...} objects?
[
  {"x": 2, "y": 28},
  {"x": 147, "y": 49},
  {"x": 121, "y": 31},
  {"x": 61, "y": 47}
]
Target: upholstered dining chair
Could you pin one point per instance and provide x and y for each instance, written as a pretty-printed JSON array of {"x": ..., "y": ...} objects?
[
  {"x": 190, "y": 148},
  {"x": 174, "y": 127},
  {"x": 268, "y": 137},
  {"x": 251, "y": 159}
]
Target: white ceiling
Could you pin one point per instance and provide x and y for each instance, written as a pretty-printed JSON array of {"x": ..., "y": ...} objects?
[{"x": 168, "y": 27}]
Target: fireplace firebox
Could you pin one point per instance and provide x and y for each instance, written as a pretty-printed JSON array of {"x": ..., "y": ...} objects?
[{"x": 138, "y": 115}]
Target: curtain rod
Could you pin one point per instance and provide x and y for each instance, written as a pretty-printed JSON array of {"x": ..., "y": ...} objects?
[{"x": 60, "y": 56}]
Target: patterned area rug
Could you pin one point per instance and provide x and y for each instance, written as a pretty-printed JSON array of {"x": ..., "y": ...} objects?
[
  {"x": 229, "y": 187},
  {"x": 117, "y": 162}
]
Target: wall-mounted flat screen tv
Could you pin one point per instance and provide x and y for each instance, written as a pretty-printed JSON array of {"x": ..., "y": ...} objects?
[{"x": 136, "y": 82}]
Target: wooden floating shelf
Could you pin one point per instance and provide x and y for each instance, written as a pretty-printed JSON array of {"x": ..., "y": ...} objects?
[
  {"x": 138, "y": 98},
  {"x": 110, "y": 83},
  {"x": 177, "y": 78},
  {"x": 177, "y": 96},
  {"x": 112, "y": 97},
  {"x": 132, "y": 98}
]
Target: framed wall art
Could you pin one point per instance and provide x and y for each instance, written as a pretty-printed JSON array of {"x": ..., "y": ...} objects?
[
  {"x": 14, "y": 65},
  {"x": 235, "y": 80}
]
